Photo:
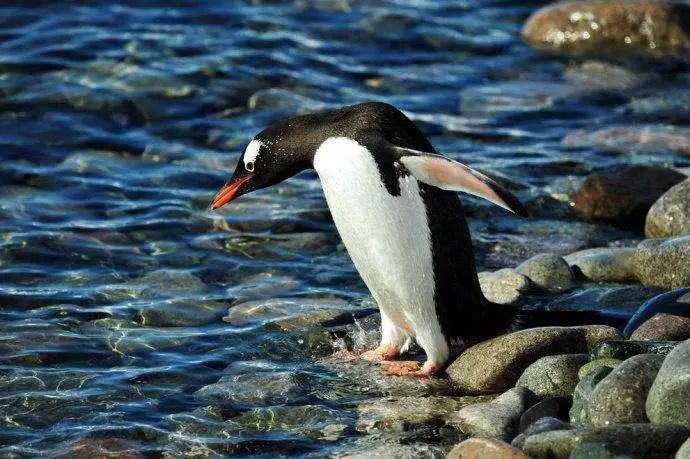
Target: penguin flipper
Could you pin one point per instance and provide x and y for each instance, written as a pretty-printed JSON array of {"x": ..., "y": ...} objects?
[{"x": 450, "y": 175}]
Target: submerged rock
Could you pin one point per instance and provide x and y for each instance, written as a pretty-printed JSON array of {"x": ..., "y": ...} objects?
[
  {"x": 548, "y": 271},
  {"x": 496, "y": 364},
  {"x": 646, "y": 139},
  {"x": 669, "y": 397},
  {"x": 485, "y": 448},
  {"x": 623, "y": 195},
  {"x": 261, "y": 388},
  {"x": 505, "y": 286},
  {"x": 610, "y": 27},
  {"x": 603, "y": 264},
  {"x": 674, "y": 304},
  {"x": 666, "y": 265},
  {"x": 553, "y": 375},
  {"x": 669, "y": 216}
]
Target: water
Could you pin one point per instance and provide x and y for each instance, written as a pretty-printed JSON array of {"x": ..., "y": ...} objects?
[{"x": 118, "y": 122}]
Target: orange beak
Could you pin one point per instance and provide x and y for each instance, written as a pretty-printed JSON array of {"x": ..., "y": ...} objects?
[{"x": 228, "y": 192}]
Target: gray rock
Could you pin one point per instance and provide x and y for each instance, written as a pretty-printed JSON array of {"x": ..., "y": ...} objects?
[
  {"x": 548, "y": 271},
  {"x": 675, "y": 303},
  {"x": 620, "y": 397},
  {"x": 669, "y": 216},
  {"x": 594, "y": 364},
  {"x": 546, "y": 424},
  {"x": 634, "y": 139},
  {"x": 665, "y": 266},
  {"x": 498, "y": 418},
  {"x": 553, "y": 375},
  {"x": 663, "y": 327},
  {"x": 684, "y": 451},
  {"x": 551, "y": 407},
  {"x": 636, "y": 440},
  {"x": 601, "y": 75},
  {"x": 669, "y": 398},
  {"x": 496, "y": 364},
  {"x": 260, "y": 388},
  {"x": 609, "y": 28},
  {"x": 181, "y": 313},
  {"x": 582, "y": 392},
  {"x": 603, "y": 264},
  {"x": 623, "y": 350},
  {"x": 505, "y": 286}
]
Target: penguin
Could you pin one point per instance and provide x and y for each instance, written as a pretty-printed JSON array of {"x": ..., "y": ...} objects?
[{"x": 394, "y": 202}]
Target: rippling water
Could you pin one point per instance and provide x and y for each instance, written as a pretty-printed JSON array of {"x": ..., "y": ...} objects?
[{"x": 119, "y": 121}]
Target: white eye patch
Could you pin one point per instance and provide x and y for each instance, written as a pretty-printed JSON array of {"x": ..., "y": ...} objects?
[{"x": 251, "y": 153}]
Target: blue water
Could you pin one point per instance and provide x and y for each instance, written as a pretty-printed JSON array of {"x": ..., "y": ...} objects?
[{"x": 118, "y": 122}]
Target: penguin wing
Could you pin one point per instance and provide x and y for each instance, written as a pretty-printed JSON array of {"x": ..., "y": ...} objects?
[{"x": 447, "y": 174}]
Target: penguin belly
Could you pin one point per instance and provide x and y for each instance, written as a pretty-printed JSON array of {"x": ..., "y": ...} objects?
[{"x": 388, "y": 239}]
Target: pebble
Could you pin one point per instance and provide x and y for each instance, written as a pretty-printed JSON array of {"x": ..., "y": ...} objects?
[
  {"x": 582, "y": 392},
  {"x": 669, "y": 397},
  {"x": 673, "y": 309},
  {"x": 622, "y": 350},
  {"x": 603, "y": 264},
  {"x": 666, "y": 265},
  {"x": 485, "y": 448},
  {"x": 620, "y": 397},
  {"x": 498, "y": 418},
  {"x": 495, "y": 365},
  {"x": 553, "y": 375},
  {"x": 505, "y": 286},
  {"x": 669, "y": 216},
  {"x": 590, "y": 366},
  {"x": 548, "y": 271}
]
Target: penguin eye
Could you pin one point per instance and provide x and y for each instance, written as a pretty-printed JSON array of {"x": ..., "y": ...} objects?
[{"x": 249, "y": 166}]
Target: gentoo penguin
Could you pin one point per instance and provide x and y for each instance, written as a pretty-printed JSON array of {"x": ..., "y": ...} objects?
[{"x": 394, "y": 203}]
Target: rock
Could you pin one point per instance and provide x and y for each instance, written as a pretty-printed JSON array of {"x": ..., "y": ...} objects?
[
  {"x": 615, "y": 300},
  {"x": 620, "y": 397},
  {"x": 669, "y": 216},
  {"x": 181, "y": 313},
  {"x": 684, "y": 451},
  {"x": 541, "y": 425},
  {"x": 603, "y": 264},
  {"x": 548, "y": 271},
  {"x": 551, "y": 407},
  {"x": 103, "y": 448},
  {"x": 553, "y": 375},
  {"x": 623, "y": 350},
  {"x": 610, "y": 28},
  {"x": 674, "y": 304},
  {"x": 485, "y": 448},
  {"x": 260, "y": 388},
  {"x": 496, "y": 364},
  {"x": 588, "y": 367},
  {"x": 505, "y": 286},
  {"x": 663, "y": 327},
  {"x": 582, "y": 392},
  {"x": 603, "y": 76},
  {"x": 635, "y": 440},
  {"x": 637, "y": 139},
  {"x": 669, "y": 397},
  {"x": 406, "y": 413},
  {"x": 623, "y": 195},
  {"x": 498, "y": 418},
  {"x": 666, "y": 265}
]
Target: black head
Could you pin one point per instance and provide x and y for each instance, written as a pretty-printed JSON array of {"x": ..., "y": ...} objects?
[{"x": 288, "y": 147}]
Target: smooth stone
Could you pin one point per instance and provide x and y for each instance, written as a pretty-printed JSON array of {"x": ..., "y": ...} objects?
[
  {"x": 495, "y": 365},
  {"x": 485, "y": 448},
  {"x": 407, "y": 413},
  {"x": 669, "y": 216},
  {"x": 603, "y": 76},
  {"x": 583, "y": 390},
  {"x": 546, "y": 424},
  {"x": 498, "y": 418},
  {"x": 610, "y": 28},
  {"x": 669, "y": 397},
  {"x": 88, "y": 448},
  {"x": 603, "y": 264},
  {"x": 623, "y": 350},
  {"x": 623, "y": 195},
  {"x": 675, "y": 303},
  {"x": 636, "y": 440},
  {"x": 590, "y": 366},
  {"x": 181, "y": 313},
  {"x": 648, "y": 139},
  {"x": 597, "y": 450},
  {"x": 620, "y": 397},
  {"x": 551, "y": 407},
  {"x": 548, "y": 271},
  {"x": 663, "y": 327},
  {"x": 684, "y": 450},
  {"x": 624, "y": 298},
  {"x": 553, "y": 375},
  {"x": 505, "y": 286},
  {"x": 665, "y": 266},
  {"x": 261, "y": 388}
]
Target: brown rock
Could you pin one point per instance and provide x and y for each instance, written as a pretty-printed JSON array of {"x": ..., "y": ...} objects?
[
  {"x": 623, "y": 195},
  {"x": 638, "y": 27},
  {"x": 663, "y": 327},
  {"x": 485, "y": 448},
  {"x": 101, "y": 448},
  {"x": 495, "y": 365},
  {"x": 670, "y": 214}
]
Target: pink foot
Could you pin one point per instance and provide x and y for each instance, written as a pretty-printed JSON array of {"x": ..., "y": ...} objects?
[
  {"x": 409, "y": 368},
  {"x": 384, "y": 352}
]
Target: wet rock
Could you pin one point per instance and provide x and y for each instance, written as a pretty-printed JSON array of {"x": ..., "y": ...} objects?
[
  {"x": 627, "y": 298},
  {"x": 622, "y": 350},
  {"x": 603, "y": 264},
  {"x": 582, "y": 392},
  {"x": 553, "y": 375},
  {"x": 638, "y": 27},
  {"x": 597, "y": 450},
  {"x": 509, "y": 97},
  {"x": 619, "y": 398},
  {"x": 666, "y": 265},
  {"x": 604, "y": 76},
  {"x": 594, "y": 364},
  {"x": 548, "y": 271},
  {"x": 551, "y": 407},
  {"x": 623, "y": 195},
  {"x": 669, "y": 216},
  {"x": 663, "y": 327},
  {"x": 637, "y": 139},
  {"x": 541, "y": 425},
  {"x": 260, "y": 388},
  {"x": 675, "y": 303},
  {"x": 485, "y": 448},
  {"x": 498, "y": 418},
  {"x": 505, "y": 286},
  {"x": 104, "y": 447},
  {"x": 406, "y": 413},
  {"x": 496, "y": 364},
  {"x": 634, "y": 440},
  {"x": 669, "y": 397},
  {"x": 282, "y": 99},
  {"x": 389, "y": 445},
  {"x": 181, "y": 313}
]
